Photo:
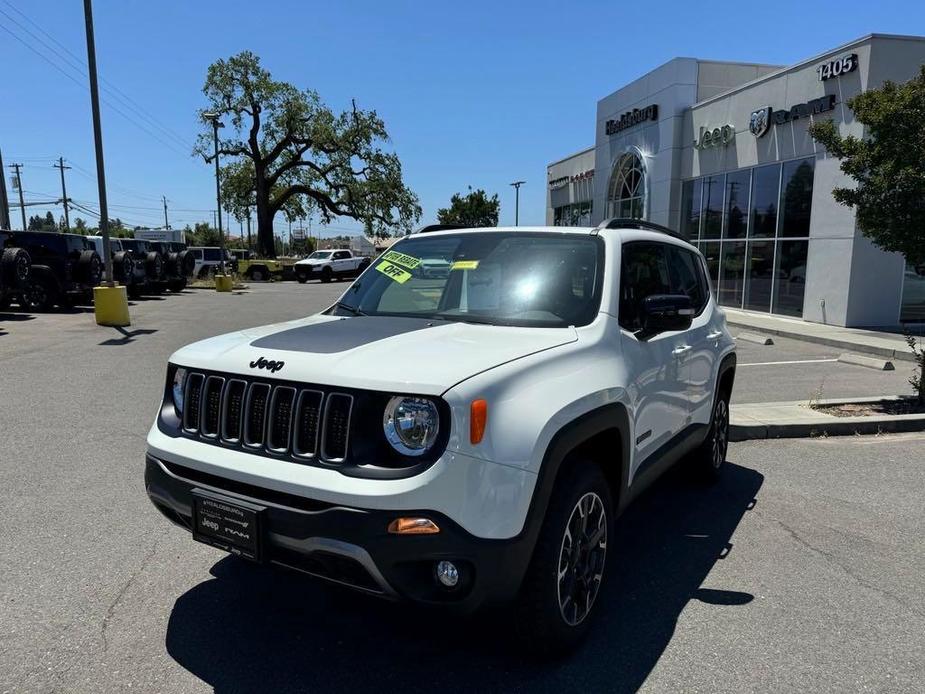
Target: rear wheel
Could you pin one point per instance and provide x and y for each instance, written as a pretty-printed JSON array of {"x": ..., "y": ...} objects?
[
  {"x": 566, "y": 571},
  {"x": 257, "y": 274},
  {"x": 711, "y": 454}
]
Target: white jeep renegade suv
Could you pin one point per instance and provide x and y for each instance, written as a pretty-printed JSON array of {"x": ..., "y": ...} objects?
[{"x": 460, "y": 437}]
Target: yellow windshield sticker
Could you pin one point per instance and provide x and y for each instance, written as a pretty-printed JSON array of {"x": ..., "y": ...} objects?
[
  {"x": 409, "y": 261},
  {"x": 394, "y": 272},
  {"x": 464, "y": 265}
]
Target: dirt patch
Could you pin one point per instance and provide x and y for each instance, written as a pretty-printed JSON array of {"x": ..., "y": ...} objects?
[{"x": 872, "y": 409}]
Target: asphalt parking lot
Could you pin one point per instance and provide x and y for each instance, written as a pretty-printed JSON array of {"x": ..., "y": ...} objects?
[{"x": 801, "y": 571}]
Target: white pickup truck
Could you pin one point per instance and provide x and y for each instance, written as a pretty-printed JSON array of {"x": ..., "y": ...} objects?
[{"x": 331, "y": 264}]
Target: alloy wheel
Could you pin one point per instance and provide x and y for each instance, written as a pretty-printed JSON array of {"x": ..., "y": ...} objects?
[
  {"x": 720, "y": 432},
  {"x": 581, "y": 559}
]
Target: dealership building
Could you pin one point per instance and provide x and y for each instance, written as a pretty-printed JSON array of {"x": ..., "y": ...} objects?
[{"x": 721, "y": 152}]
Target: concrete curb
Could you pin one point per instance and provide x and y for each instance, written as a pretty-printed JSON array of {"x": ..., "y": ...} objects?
[
  {"x": 886, "y": 352},
  {"x": 784, "y": 420},
  {"x": 756, "y": 338},
  {"x": 868, "y": 362}
]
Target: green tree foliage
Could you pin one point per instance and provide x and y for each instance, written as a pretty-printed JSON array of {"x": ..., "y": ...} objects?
[
  {"x": 80, "y": 225},
  {"x": 888, "y": 166},
  {"x": 473, "y": 210},
  {"x": 290, "y": 152}
]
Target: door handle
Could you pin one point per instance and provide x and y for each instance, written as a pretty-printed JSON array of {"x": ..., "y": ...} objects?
[
  {"x": 715, "y": 335},
  {"x": 678, "y": 351}
]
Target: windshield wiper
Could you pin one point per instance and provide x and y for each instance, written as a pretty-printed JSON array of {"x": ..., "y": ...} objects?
[{"x": 353, "y": 309}]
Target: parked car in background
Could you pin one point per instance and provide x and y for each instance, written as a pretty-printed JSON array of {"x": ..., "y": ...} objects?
[
  {"x": 338, "y": 263},
  {"x": 65, "y": 268},
  {"x": 256, "y": 269},
  {"x": 15, "y": 266},
  {"x": 151, "y": 260},
  {"x": 179, "y": 263},
  {"x": 208, "y": 259}
]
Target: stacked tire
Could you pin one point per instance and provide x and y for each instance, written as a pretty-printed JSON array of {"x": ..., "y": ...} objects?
[{"x": 15, "y": 267}]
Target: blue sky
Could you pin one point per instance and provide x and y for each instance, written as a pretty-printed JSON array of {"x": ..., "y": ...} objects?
[{"x": 473, "y": 93}]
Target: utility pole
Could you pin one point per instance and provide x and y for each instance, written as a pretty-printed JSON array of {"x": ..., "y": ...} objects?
[
  {"x": 22, "y": 203},
  {"x": 249, "y": 247},
  {"x": 98, "y": 141},
  {"x": 216, "y": 124},
  {"x": 517, "y": 185},
  {"x": 166, "y": 223},
  {"x": 4, "y": 201},
  {"x": 67, "y": 219}
]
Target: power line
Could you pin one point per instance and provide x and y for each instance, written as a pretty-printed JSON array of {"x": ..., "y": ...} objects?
[
  {"x": 133, "y": 121},
  {"x": 81, "y": 67}
]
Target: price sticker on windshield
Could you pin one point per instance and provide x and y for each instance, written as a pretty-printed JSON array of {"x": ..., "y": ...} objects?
[
  {"x": 393, "y": 272},
  {"x": 408, "y": 261}
]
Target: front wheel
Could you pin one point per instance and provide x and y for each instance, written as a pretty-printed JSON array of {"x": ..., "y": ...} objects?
[
  {"x": 302, "y": 278},
  {"x": 566, "y": 572},
  {"x": 257, "y": 274},
  {"x": 326, "y": 274}
]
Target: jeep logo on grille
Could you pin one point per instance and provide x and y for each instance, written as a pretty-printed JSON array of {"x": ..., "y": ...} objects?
[{"x": 271, "y": 366}]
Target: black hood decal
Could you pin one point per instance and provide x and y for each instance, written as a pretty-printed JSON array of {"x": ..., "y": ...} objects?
[{"x": 341, "y": 335}]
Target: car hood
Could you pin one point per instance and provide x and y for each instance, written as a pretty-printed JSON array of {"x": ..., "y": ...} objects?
[
  {"x": 313, "y": 261},
  {"x": 410, "y": 355}
]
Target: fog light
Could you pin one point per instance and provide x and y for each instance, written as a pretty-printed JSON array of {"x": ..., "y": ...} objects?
[
  {"x": 447, "y": 573},
  {"x": 413, "y": 526}
]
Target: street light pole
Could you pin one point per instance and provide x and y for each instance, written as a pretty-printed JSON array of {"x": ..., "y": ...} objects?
[
  {"x": 216, "y": 124},
  {"x": 517, "y": 185}
]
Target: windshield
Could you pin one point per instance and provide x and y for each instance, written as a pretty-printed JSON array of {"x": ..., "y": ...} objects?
[
  {"x": 502, "y": 278},
  {"x": 320, "y": 255}
]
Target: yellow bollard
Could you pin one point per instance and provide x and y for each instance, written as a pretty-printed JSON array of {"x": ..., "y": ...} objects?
[
  {"x": 110, "y": 305},
  {"x": 224, "y": 283}
]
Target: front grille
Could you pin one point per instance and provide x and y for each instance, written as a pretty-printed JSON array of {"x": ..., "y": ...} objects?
[{"x": 281, "y": 420}]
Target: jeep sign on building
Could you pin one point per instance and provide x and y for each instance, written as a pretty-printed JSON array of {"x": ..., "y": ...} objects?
[{"x": 721, "y": 151}]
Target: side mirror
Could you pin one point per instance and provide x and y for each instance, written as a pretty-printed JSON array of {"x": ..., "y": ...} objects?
[{"x": 663, "y": 313}]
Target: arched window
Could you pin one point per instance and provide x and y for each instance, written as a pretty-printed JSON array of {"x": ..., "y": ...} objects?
[{"x": 627, "y": 192}]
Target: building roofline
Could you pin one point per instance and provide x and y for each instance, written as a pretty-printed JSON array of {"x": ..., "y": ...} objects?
[
  {"x": 571, "y": 156},
  {"x": 804, "y": 63}
]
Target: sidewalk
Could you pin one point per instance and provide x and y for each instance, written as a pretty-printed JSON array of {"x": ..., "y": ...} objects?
[
  {"x": 881, "y": 344},
  {"x": 772, "y": 420}
]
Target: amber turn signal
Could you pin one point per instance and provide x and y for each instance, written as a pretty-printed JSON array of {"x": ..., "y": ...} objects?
[
  {"x": 478, "y": 419},
  {"x": 413, "y": 526}
]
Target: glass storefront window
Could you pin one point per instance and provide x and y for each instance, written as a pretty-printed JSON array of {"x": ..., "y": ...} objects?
[
  {"x": 711, "y": 254},
  {"x": 576, "y": 215},
  {"x": 791, "y": 277},
  {"x": 765, "y": 196},
  {"x": 690, "y": 208},
  {"x": 760, "y": 275},
  {"x": 732, "y": 274},
  {"x": 796, "y": 197},
  {"x": 712, "y": 207},
  {"x": 735, "y": 221}
]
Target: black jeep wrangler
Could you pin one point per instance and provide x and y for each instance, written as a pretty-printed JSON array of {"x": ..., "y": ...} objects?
[
  {"x": 15, "y": 265},
  {"x": 179, "y": 264},
  {"x": 155, "y": 264},
  {"x": 65, "y": 269}
]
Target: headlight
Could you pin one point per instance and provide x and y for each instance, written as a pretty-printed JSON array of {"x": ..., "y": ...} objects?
[
  {"x": 179, "y": 384},
  {"x": 411, "y": 424}
]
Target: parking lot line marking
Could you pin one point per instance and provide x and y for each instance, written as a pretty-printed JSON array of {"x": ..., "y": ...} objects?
[{"x": 797, "y": 361}]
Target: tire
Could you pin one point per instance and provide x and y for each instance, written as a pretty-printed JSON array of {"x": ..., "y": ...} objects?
[
  {"x": 15, "y": 265},
  {"x": 89, "y": 268},
  {"x": 154, "y": 265},
  {"x": 709, "y": 458},
  {"x": 177, "y": 286},
  {"x": 257, "y": 274},
  {"x": 562, "y": 584},
  {"x": 186, "y": 263},
  {"x": 172, "y": 266},
  {"x": 40, "y": 295},
  {"x": 326, "y": 274},
  {"x": 302, "y": 278},
  {"x": 123, "y": 268},
  {"x": 134, "y": 290}
]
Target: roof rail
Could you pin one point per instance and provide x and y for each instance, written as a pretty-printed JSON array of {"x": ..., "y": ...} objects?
[
  {"x": 630, "y": 223},
  {"x": 439, "y": 227}
]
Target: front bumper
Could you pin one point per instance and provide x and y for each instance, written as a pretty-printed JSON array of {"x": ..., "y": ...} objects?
[{"x": 352, "y": 546}]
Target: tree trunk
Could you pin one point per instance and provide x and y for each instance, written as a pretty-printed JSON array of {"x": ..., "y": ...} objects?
[{"x": 266, "y": 246}]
